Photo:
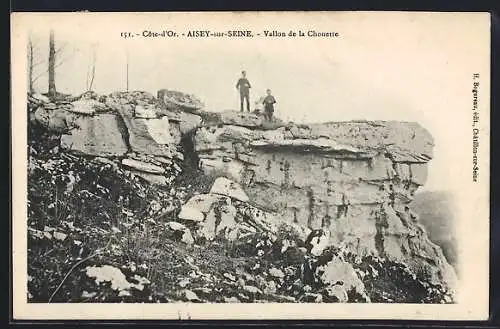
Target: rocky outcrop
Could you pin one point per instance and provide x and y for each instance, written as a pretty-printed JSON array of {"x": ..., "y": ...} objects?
[
  {"x": 173, "y": 99},
  {"x": 353, "y": 179},
  {"x": 134, "y": 128},
  {"x": 95, "y": 135},
  {"x": 224, "y": 213},
  {"x": 343, "y": 185}
]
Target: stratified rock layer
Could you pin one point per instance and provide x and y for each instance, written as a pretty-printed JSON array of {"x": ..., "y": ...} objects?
[
  {"x": 95, "y": 135},
  {"x": 135, "y": 128},
  {"x": 353, "y": 179}
]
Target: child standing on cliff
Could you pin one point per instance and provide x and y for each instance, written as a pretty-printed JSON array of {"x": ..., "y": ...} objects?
[{"x": 269, "y": 102}]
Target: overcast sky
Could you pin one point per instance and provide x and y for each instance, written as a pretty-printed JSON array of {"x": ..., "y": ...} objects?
[{"x": 396, "y": 67}]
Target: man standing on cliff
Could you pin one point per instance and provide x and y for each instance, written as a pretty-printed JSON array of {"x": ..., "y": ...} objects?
[{"x": 243, "y": 85}]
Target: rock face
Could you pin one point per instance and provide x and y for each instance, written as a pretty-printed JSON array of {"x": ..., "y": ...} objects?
[
  {"x": 95, "y": 135},
  {"x": 134, "y": 128},
  {"x": 353, "y": 179}
]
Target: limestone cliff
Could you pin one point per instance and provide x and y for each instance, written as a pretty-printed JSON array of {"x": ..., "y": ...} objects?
[{"x": 354, "y": 180}]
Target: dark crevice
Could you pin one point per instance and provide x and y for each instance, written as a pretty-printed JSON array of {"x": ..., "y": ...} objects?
[
  {"x": 310, "y": 219},
  {"x": 122, "y": 127},
  {"x": 192, "y": 177},
  {"x": 381, "y": 225},
  {"x": 191, "y": 158}
]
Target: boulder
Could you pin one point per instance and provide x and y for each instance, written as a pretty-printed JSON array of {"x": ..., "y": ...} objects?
[
  {"x": 143, "y": 166},
  {"x": 224, "y": 186},
  {"x": 159, "y": 130},
  {"x": 339, "y": 272},
  {"x": 191, "y": 296},
  {"x": 299, "y": 231},
  {"x": 227, "y": 223},
  {"x": 335, "y": 293},
  {"x": 208, "y": 226},
  {"x": 220, "y": 221},
  {"x": 304, "y": 132},
  {"x": 182, "y": 232},
  {"x": 179, "y": 100},
  {"x": 176, "y": 226},
  {"x": 270, "y": 287},
  {"x": 145, "y": 112},
  {"x": 263, "y": 220},
  {"x": 187, "y": 237},
  {"x": 57, "y": 121},
  {"x": 87, "y": 106},
  {"x": 89, "y": 94},
  {"x": 98, "y": 135},
  {"x": 203, "y": 202},
  {"x": 154, "y": 179},
  {"x": 191, "y": 214},
  {"x": 149, "y": 136},
  {"x": 318, "y": 241},
  {"x": 131, "y": 97}
]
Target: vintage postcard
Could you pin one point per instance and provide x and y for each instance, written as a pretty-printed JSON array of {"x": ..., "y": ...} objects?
[{"x": 251, "y": 165}]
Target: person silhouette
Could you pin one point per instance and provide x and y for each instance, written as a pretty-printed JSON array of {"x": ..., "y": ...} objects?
[
  {"x": 269, "y": 102},
  {"x": 243, "y": 85}
]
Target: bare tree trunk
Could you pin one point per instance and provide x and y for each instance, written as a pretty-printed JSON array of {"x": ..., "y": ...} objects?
[
  {"x": 52, "y": 65},
  {"x": 30, "y": 65},
  {"x": 92, "y": 73},
  {"x": 127, "y": 70},
  {"x": 88, "y": 77},
  {"x": 91, "y": 69}
]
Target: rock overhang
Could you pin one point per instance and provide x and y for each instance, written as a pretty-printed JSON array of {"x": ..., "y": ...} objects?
[{"x": 405, "y": 142}]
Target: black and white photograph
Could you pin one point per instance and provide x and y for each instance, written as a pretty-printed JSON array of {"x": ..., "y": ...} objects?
[{"x": 328, "y": 165}]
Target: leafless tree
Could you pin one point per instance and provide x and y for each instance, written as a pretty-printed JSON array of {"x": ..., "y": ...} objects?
[
  {"x": 30, "y": 64},
  {"x": 35, "y": 60},
  {"x": 127, "y": 67},
  {"x": 54, "y": 61},
  {"x": 91, "y": 68},
  {"x": 52, "y": 65},
  {"x": 33, "y": 63}
]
